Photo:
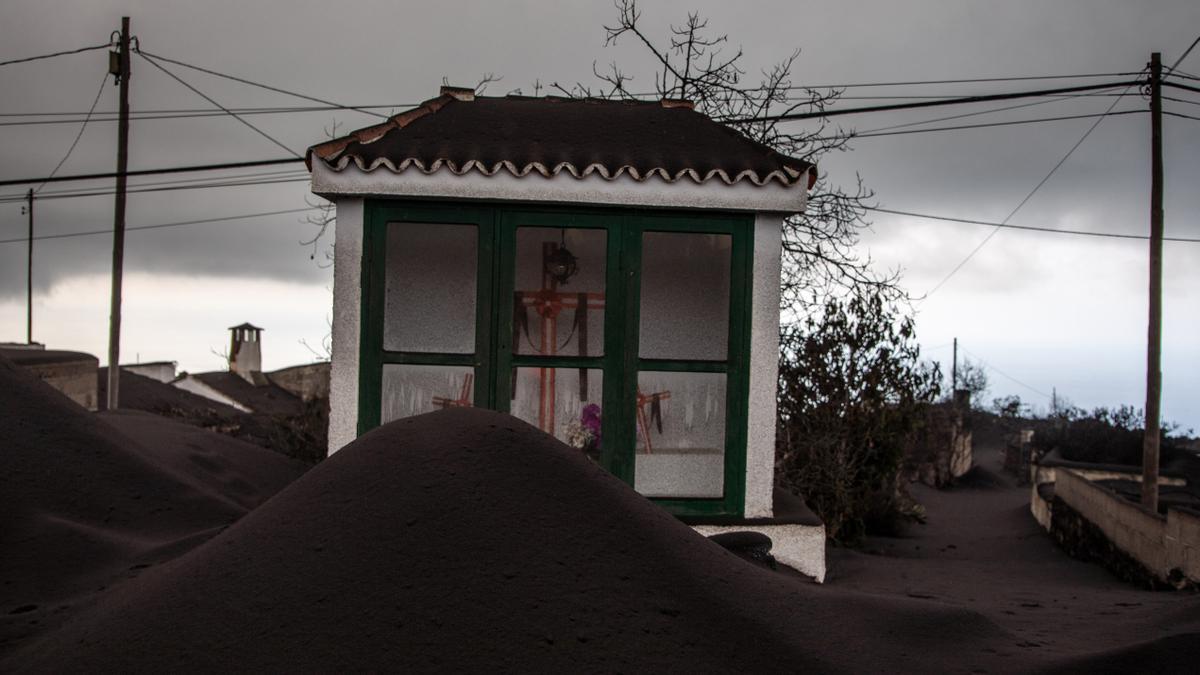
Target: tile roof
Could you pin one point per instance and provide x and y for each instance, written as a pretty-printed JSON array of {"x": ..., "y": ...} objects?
[{"x": 460, "y": 132}]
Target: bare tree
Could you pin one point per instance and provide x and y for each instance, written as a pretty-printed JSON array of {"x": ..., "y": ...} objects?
[{"x": 694, "y": 64}]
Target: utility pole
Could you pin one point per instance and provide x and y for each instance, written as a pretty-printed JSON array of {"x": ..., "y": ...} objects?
[
  {"x": 954, "y": 370},
  {"x": 29, "y": 273},
  {"x": 1150, "y": 437},
  {"x": 121, "y": 69}
]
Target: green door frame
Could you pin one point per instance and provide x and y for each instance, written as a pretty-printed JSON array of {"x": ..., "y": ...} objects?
[{"x": 494, "y": 359}]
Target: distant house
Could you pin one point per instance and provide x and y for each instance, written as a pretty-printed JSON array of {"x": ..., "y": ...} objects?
[
  {"x": 246, "y": 387},
  {"x": 607, "y": 271},
  {"x": 72, "y": 373}
]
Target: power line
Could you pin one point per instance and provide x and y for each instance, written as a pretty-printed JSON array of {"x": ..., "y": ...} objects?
[
  {"x": 972, "y": 80},
  {"x": 247, "y": 183},
  {"x": 983, "y": 98},
  {"x": 1024, "y": 227},
  {"x": 263, "y": 86},
  {"x": 1175, "y": 114},
  {"x": 155, "y": 172},
  {"x": 169, "y": 115},
  {"x": 201, "y": 94},
  {"x": 103, "y": 81},
  {"x": 68, "y": 235},
  {"x": 1186, "y": 87},
  {"x": 1001, "y": 372},
  {"x": 180, "y": 181},
  {"x": 1053, "y": 99},
  {"x": 50, "y": 56},
  {"x": 986, "y": 125},
  {"x": 1029, "y": 196}
]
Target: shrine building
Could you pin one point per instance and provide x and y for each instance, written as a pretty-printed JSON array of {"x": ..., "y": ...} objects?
[{"x": 607, "y": 271}]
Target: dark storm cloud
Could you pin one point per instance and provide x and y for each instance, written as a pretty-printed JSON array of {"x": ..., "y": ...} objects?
[{"x": 397, "y": 53}]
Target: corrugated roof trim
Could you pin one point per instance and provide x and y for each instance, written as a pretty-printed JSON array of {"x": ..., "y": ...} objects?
[{"x": 785, "y": 179}]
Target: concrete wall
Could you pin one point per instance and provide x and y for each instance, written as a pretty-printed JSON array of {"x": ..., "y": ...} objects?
[
  {"x": 801, "y": 547},
  {"x": 309, "y": 381},
  {"x": 1169, "y": 547},
  {"x": 76, "y": 378},
  {"x": 347, "y": 319}
]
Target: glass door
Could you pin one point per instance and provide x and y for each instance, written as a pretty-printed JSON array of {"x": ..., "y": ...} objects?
[{"x": 555, "y": 356}]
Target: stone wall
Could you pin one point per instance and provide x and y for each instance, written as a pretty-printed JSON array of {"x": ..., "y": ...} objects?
[
  {"x": 309, "y": 381},
  {"x": 944, "y": 450},
  {"x": 1123, "y": 535}
]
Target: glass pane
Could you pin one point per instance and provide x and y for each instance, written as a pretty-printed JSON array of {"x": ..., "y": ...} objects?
[
  {"x": 412, "y": 390},
  {"x": 680, "y": 435},
  {"x": 563, "y": 315},
  {"x": 564, "y": 402},
  {"x": 429, "y": 292},
  {"x": 685, "y": 296}
]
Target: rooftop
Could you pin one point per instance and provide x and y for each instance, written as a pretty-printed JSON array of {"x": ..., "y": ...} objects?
[{"x": 460, "y": 133}]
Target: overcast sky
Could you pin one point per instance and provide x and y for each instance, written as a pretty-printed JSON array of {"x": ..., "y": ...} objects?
[{"x": 1043, "y": 311}]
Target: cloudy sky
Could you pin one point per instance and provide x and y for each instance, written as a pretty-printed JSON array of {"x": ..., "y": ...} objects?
[{"x": 1044, "y": 312}]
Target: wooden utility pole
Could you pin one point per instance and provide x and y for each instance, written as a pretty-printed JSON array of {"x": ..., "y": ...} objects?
[
  {"x": 29, "y": 273},
  {"x": 1150, "y": 438},
  {"x": 118, "y": 257},
  {"x": 954, "y": 370}
]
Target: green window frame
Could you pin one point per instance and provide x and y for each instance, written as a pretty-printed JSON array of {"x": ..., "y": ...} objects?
[{"x": 494, "y": 359}]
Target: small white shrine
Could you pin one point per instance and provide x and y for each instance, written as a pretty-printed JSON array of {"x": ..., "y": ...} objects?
[{"x": 607, "y": 271}]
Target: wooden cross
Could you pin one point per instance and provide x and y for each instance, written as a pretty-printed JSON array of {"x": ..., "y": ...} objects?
[
  {"x": 642, "y": 401},
  {"x": 464, "y": 396},
  {"x": 548, "y": 302}
]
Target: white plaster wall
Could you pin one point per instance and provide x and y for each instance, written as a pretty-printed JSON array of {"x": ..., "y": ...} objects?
[
  {"x": 163, "y": 372},
  {"x": 764, "y": 365},
  {"x": 563, "y": 188},
  {"x": 198, "y": 387},
  {"x": 347, "y": 310},
  {"x": 801, "y": 547}
]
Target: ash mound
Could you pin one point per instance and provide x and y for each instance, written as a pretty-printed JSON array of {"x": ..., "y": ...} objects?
[
  {"x": 468, "y": 540},
  {"x": 84, "y": 502}
]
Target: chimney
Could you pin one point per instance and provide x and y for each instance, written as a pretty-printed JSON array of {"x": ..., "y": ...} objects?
[
  {"x": 245, "y": 352},
  {"x": 460, "y": 93}
]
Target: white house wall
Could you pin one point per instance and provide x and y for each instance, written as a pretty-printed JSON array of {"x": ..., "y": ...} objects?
[
  {"x": 764, "y": 364},
  {"x": 196, "y": 386},
  {"x": 347, "y": 318}
]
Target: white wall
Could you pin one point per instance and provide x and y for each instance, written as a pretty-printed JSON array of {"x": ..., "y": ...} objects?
[
  {"x": 764, "y": 364},
  {"x": 347, "y": 318}
]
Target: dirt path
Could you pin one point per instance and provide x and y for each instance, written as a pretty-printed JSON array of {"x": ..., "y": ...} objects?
[{"x": 982, "y": 550}]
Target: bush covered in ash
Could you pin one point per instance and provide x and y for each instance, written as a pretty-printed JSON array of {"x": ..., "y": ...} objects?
[{"x": 1103, "y": 436}]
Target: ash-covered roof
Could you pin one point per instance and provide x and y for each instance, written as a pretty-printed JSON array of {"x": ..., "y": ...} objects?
[{"x": 460, "y": 132}]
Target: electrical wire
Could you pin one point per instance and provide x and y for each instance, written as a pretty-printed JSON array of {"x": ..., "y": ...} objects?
[
  {"x": 201, "y": 94},
  {"x": 50, "y": 56},
  {"x": 155, "y": 172},
  {"x": 68, "y": 235},
  {"x": 1031, "y": 228},
  {"x": 1002, "y": 373},
  {"x": 982, "y": 125},
  {"x": 791, "y": 117},
  {"x": 103, "y": 81},
  {"x": 927, "y": 82},
  {"x": 1054, "y": 99},
  {"x": 1029, "y": 196},
  {"x": 1175, "y": 114},
  {"x": 263, "y": 86},
  {"x": 99, "y": 193}
]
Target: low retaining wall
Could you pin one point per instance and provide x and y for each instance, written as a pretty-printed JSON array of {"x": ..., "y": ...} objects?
[
  {"x": 1168, "y": 548},
  {"x": 801, "y": 547}
]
